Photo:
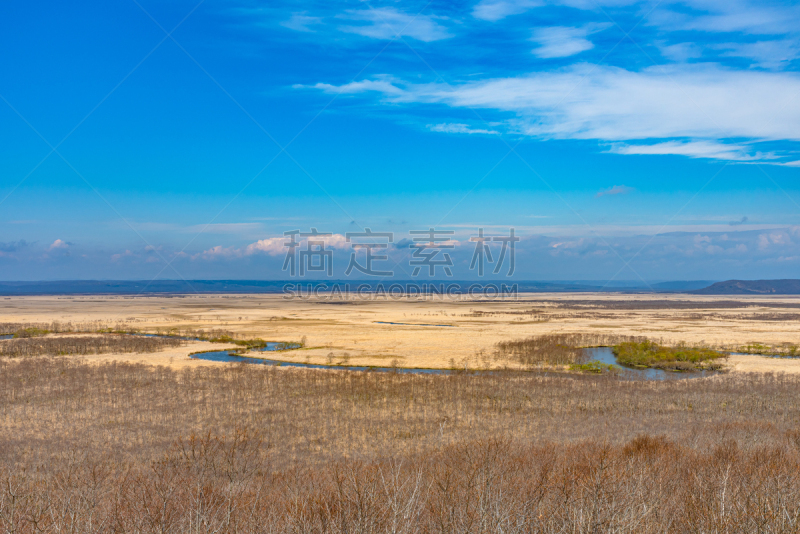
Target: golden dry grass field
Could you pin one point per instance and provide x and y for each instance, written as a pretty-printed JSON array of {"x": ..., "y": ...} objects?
[
  {"x": 436, "y": 332},
  {"x": 144, "y": 441}
]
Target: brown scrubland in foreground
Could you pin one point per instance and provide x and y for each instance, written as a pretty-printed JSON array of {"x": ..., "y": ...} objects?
[{"x": 129, "y": 448}]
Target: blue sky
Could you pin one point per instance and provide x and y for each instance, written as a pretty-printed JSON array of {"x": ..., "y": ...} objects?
[{"x": 620, "y": 139}]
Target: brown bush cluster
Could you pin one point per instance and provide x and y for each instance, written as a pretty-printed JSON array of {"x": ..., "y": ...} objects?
[
  {"x": 57, "y": 327},
  {"x": 129, "y": 448},
  {"x": 83, "y": 345},
  {"x": 227, "y": 484},
  {"x": 556, "y": 349}
]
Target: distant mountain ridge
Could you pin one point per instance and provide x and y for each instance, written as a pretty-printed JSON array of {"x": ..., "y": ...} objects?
[{"x": 752, "y": 287}]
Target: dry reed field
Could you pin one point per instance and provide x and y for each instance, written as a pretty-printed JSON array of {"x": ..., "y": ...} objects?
[
  {"x": 117, "y": 447},
  {"x": 107, "y": 432}
]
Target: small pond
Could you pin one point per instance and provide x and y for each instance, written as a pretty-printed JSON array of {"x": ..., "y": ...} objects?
[
  {"x": 606, "y": 355},
  {"x": 6, "y": 336}
]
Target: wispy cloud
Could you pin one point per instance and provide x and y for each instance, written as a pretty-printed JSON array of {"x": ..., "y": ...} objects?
[
  {"x": 615, "y": 190},
  {"x": 494, "y": 10},
  {"x": 767, "y": 54},
  {"x": 388, "y": 23},
  {"x": 117, "y": 257},
  {"x": 385, "y": 86},
  {"x": 680, "y": 52},
  {"x": 705, "y": 103},
  {"x": 301, "y": 22},
  {"x": 562, "y": 41},
  {"x": 751, "y": 17},
  {"x": 459, "y": 128},
  {"x": 9, "y": 248},
  {"x": 695, "y": 149}
]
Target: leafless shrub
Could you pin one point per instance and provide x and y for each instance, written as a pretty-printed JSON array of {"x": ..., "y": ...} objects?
[
  {"x": 67, "y": 327},
  {"x": 130, "y": 448},
  {"x": 556, "y": 349},
  {"x": 225, "y": 484},
  {"x": 83, "y": 345}
]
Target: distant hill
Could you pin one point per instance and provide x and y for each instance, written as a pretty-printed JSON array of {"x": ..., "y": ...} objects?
[
  {"x": 752, "y": 287},
  {"x": 680, "y": 286}
]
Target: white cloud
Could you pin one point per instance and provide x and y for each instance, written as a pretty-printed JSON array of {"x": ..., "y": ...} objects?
[
  {"x": 701, "y": 102},
  {"x": 58, "y": 244},
  {"x": 779, "y": 239},
  {"x": 747, "y": 16},
  {"x": 560, "y": 41},
  {"x": 274, "y": 246},
  {"x": 680, "y": 52},
  {"x": 384, "y": 86},
  {"x": 494, "y": 10},
  {"x": 694, "y": 149},
  {"x": 728, "y": 16},
  {"x": 616, "y": 190},
  {"x": 458, "y": 128},
  {"x": 766, "y": 54},
  {"x": 389, "y": 23},
  {"x": 117, "y": 257},
  {"x": 300, "y": 22},
  {"x": 219, "y": 252}
]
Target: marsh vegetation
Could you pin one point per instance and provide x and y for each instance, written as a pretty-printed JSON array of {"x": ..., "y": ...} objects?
[
  {"x": 555, "y": 349},
  {"x": 552, "y": 350},
  {"x": 130, "y": 448},
  {"x": 54, "y": 339},
  {"x": 78, "y": 345},
  {"x": 109, "y": 446},
  {"x": 645, "y": 354}
]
